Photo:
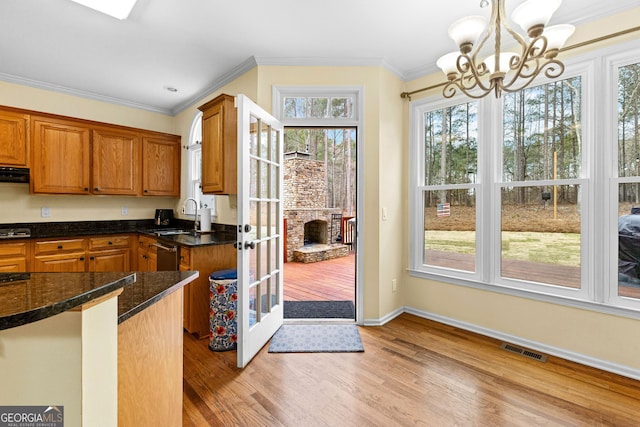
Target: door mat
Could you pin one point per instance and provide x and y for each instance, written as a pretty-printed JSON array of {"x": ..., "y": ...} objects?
[
  {"x": 319, "y": 310},
  {"x": 316, "y": 339}
]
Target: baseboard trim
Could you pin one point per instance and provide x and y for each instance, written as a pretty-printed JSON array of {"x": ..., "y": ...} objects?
[
  {"x": 533, "y": 345},
  {"x": 389, "y": 317}
]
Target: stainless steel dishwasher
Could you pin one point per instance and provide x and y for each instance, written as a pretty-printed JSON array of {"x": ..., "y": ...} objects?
[{"x": 167, "y": 257}]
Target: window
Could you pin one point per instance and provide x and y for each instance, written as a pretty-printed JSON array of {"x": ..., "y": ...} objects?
[
  {"x": 194, "y": 186},
  {"x": 535, "y": 194},
  {"x": 626, "y": 184}
]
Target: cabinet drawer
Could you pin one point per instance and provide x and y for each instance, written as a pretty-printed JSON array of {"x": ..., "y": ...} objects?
[
  {"x": 108, "y": 242},
  {"x": 185, "y": 256},
  {"x": 13, "y": 249},
  {"x": 55, "y": 246}
]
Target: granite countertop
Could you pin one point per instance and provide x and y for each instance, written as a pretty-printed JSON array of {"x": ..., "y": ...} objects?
[
  {"x": 221, "y": 234},
  {"x": 29, "y": 297},
  {"x": 149, "y": 288}
]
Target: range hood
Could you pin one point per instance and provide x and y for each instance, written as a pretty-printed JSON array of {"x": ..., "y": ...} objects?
[{"x": 8, "y": 174}]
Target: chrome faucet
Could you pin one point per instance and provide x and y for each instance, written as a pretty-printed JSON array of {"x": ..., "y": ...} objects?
[{"x": 196, "y": 222}]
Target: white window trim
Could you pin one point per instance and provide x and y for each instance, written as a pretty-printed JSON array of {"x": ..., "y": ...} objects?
[
  {"x": 194, "y": 185},
  {"x": 599, "y": 169}
]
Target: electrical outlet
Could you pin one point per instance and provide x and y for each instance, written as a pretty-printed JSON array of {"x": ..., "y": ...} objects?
[
  {"x": 394, "y": 285},
  {"x": 124, "y": 211},
  {"x": 45, "y": 212}
]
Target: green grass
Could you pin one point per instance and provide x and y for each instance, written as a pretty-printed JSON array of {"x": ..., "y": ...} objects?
[{"x": 550, "y": 248}]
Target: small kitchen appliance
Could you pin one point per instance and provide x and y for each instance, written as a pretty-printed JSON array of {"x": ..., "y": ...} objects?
[{"x": 163, "y": 217}]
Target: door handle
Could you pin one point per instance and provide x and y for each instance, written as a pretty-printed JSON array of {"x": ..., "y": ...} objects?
[
  {"x": 166, "y": 248},
  {"x": 248, "y": 245}
]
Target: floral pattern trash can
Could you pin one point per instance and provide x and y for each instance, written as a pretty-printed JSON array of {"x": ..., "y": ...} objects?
[{"x": 223, "y": 292}]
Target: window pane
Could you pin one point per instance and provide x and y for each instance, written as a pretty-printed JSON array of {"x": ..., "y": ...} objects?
[
  {"x": 629, "y": 193},
  {"x": 451, "y": 149},
  {"x": 342, "y": 107},
  {"x": 628, "y": 119},
  {"x": 295, "y": 108},
  {"x": 450, "y": 229},
  {"x": 540, "y": 238},
  {"x": 317, "y": 107},
  {"x": 542, "y": 136}
]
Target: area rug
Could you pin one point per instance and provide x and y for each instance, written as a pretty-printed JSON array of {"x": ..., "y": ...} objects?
[
  {"x": 319, "y": 310},
  {"x": 316, "y": 338}
]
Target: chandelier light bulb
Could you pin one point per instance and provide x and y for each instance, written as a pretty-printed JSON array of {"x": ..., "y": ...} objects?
[
  {"x": 533, "y": 15},
  {"x": 466, "y": 31}
]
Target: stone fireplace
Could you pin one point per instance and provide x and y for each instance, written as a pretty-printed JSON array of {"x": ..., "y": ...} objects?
[{"x": 311, "y": 226}]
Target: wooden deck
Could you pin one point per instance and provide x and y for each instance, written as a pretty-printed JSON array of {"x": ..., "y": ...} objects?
[{"x": 331, "y": 280}]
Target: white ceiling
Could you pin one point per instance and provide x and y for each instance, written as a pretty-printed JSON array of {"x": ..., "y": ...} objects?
[{"x": 198, "y": 45}]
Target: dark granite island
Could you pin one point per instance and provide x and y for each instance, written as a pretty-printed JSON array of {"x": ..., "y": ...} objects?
[{"x": 93, "y": 343}]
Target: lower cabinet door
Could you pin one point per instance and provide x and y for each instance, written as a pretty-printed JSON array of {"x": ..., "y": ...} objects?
[
  {"x": 109, "y": 261},
  {"x": 63, "y": 263}
]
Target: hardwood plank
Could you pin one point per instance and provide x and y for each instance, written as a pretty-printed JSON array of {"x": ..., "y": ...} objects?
[{"x": 413, "y": 372}]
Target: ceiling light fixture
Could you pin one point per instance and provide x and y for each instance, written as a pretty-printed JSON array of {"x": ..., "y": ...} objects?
[
  {"x": 117, "y": 8},
  {"x": 504, "y": 71}
]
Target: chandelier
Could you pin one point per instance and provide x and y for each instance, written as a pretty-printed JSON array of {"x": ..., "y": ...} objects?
[{"x": 504, "y": 71}]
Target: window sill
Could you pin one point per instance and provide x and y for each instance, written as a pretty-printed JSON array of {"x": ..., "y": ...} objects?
[{"x": 536, "y": 296}]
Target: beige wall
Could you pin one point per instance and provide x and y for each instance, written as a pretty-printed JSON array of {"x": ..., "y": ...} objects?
[{"x": 608, "y": 338}]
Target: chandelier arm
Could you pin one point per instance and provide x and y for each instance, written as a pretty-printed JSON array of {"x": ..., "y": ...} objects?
[{"x": 552, "y": 69}]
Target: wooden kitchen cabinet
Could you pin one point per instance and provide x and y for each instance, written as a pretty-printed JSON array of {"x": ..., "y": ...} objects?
[
  {"x": 109, "y": 253},
  {"x": 14, "y": 137},
  {"x": 219, "y": 146},
  {"x": 13, "y": 256},
  {"x": 59, "y": 256},
  {"x": 147, "y": 254},
  {"x": 160, "y": 166},
  {"x": 206, "y": 260},
  {"x": 60, "y": 156},
  {"x": 116, "y": 167}
]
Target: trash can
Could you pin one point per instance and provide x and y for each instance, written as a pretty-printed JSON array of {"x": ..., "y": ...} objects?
[{"x": 223, "y": 292}]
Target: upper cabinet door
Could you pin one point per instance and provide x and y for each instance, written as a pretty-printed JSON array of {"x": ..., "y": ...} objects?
[
  {"x": 14, "y": 134},
  {"x": 219, "y": 146},
  {"x": 60, "y": 157},
  {"x": 116, "y": 162},
  {"x": 160, "y": 166}
]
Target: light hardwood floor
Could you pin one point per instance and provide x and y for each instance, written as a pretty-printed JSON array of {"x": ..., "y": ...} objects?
[{"x": 414, "y": 372}]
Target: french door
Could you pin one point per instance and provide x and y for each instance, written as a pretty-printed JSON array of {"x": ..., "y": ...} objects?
[{"x": 260, "y": 233}]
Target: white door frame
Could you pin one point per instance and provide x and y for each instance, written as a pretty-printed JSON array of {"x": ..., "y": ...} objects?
[{"x": 278, "y": 94}]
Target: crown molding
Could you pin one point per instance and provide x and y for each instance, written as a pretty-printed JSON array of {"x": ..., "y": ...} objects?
[
  {"x": 226, "y": 78},
  {"x": 81, "y": 93}
]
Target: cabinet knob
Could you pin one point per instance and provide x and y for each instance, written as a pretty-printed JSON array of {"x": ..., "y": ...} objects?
[
  {"x": 81, "y": 258},
  {"x": 92, "y": 258},
  {"x": 59, "y": 246},
  {"x": 96, "y": 189},
  {"x": 146, "y": 191},
  {"x": 86, "y": 189},
  {"x": 110, "y": 243}
]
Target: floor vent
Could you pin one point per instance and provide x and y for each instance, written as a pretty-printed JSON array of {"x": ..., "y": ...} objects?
[{"x": 526, "y": 353}]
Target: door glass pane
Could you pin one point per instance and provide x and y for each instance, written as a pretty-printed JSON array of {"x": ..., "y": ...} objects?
[
  {"x": 253, "y": 179},
  {"x": 253, "y": 140},
  {"x": 264, "y": 180},
  {"x": 450, "y": 229},
  {"x": 265, "y": 304},
  {"x": 275, "y": 143},
  {"x": 252, "y": 305},
  {"x": 541, "y": 239},
  {"x": 262, "y": 254}
]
